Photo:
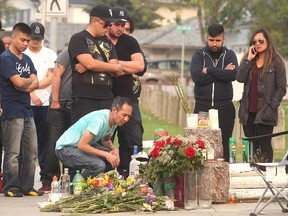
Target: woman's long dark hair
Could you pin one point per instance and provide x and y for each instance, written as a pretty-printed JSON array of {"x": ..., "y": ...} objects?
[{"x": 270, "y": 51}]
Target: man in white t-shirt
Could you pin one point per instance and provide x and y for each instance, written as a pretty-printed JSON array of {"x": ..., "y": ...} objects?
[{"x": 43, "y": 59}]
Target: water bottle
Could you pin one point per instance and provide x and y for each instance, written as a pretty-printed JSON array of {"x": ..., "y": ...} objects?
[
  {"x": 135, "y": 150},
  {"x": 133, "y": 167},
  {"x": 246, "y": 144},
  {"x": 134, "y": 164},
  {"x": 65, "y": 183},
  {"x": 55, "y": 193},
  {"x": 232, "y": 150},
  {"x": 78, "y": 183}
]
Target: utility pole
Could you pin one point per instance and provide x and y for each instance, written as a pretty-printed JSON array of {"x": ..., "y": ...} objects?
[
  {"x": 43, "y": 11},
  {"x": 183, "y": 29}
]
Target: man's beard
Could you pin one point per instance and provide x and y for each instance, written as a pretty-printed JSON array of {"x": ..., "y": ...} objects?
[{"x": 214, "y": 49}]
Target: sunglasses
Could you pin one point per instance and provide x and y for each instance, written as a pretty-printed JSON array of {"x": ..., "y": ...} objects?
[
  {"x": 260, "y": 41},
  {"x": 104, "y": 23}
]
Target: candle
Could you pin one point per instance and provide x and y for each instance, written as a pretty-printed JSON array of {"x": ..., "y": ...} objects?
[
  {"x": 192, "y": 120},
  {"x": 213, "y": 119}
]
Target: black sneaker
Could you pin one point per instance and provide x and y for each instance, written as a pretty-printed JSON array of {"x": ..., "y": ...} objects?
[
  {"x": 13, "y": 193},
  {"x": 34, "y": 192}
]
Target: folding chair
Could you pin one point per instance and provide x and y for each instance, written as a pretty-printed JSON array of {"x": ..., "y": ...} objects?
[{"x": 273, "y": 171}]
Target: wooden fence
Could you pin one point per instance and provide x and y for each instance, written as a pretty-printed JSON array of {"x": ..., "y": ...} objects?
[{"x": 163, "y": 102}]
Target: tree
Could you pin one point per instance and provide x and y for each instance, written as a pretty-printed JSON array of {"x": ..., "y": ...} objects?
[
  {"x": 5, "y": 9},
  {"x": 225, "y": 12},
  {"x": 143, "y": 12},
  {"x": 273, "y": 15}
]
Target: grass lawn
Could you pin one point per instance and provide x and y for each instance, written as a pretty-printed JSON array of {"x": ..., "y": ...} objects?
[{"x": 151, "y": 123}]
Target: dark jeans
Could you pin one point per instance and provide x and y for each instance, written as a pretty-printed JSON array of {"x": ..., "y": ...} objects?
[
  {"x": 264, "y": 145},
  {"x": 129, "y": 135},
  {"x": 40, "y": 117},
  {"x": 226, "y": 116},
  {"x": 59, "y": 120},
  {"x": 1, "y": 148}
]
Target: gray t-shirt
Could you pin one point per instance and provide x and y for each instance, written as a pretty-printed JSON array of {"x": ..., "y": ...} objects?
[{"x": 66, "y": 79}]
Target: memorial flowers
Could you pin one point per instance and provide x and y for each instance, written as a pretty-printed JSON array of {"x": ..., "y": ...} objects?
[
  {"x": 175, "y": 155},
  {"x": 107, "y": 193}
]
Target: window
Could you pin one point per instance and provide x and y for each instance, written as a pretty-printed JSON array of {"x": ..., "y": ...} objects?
[{"x": 17, "y": 16}]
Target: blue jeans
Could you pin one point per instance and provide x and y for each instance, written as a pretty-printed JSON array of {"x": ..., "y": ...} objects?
[
  {"x": 59, "y": 120},
  {"x": 74, "y": 158},
  {"x": 20, "y": 154}
]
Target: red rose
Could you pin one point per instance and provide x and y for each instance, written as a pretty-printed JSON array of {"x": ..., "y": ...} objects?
[
  {"x": 178, "y": 142},
  {"x": 155, "y": 152},
  {"x": 190, "y": 152},
  {"x": 169, "y": 140},
  {"x": 159, "y": 144},
  {"x": 200, "y": 144}
]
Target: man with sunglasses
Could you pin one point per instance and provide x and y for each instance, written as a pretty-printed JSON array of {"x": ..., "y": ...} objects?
[
  {"x": 213, "y": 68},
  {"x": 132, "y": 61},
  {"x": 92, "y": 89}
]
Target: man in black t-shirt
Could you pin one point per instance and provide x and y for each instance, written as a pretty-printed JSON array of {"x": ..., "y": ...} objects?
[
  {"x": 92, "y": 90},
  {"x": 131, "y": 59}
]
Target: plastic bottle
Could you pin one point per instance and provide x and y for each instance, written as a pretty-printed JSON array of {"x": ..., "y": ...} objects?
[
  {"x": 54, "y": 183},
  {"x": 78, "y": 183},
  {"x": 234, "y": 153},
  {"x": 244, "y": 158},
  {"x": 134, "y": 164},
  {"x": 135, "y": 150},
  {"x": 232, "y": 150},
  {"x": 65, "y": 183},
  {"x": 246, "y": 143},
  {"x": 133, "y": 167},
  {"x": 55, "y": 193}
]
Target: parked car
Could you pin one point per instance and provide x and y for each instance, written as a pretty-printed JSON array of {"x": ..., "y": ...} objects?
[{"x": 162, "y": 70}]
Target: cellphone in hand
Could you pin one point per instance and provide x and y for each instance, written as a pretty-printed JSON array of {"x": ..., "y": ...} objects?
[{"x": 253, "y": 50}]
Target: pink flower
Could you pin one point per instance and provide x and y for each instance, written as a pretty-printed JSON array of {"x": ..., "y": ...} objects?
[{"x": 190, "y": 152}]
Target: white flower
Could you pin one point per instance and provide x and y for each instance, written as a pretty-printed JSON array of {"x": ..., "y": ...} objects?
[{"x": 169, "y": 204}]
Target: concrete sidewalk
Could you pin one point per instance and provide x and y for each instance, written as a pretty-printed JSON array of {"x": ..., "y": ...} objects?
[{"x": 29, "y": 205}]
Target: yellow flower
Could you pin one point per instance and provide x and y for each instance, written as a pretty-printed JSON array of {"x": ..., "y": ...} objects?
[
  {"x": 148, "y": 207},
  {"x": 130, "y": 180}
]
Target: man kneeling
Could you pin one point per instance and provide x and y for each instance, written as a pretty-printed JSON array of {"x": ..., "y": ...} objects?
[{"x": 87, "y": 144}]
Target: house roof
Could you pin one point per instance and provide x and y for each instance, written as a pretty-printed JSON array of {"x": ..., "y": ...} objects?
[
  {"x": 82, "y": 2},
  {"x": 169, "y": 35}
]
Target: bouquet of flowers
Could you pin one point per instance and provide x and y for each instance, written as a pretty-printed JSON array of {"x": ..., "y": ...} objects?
[
  {"x": 175, "y": 155},
  {"x": 107, "y": 193}
]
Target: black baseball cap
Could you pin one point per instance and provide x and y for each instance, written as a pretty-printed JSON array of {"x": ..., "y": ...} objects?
[
  {"x": 37, "y": 30},
  {"x": 102, "y": 11},
  {"x": 119, "y": 14}
]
